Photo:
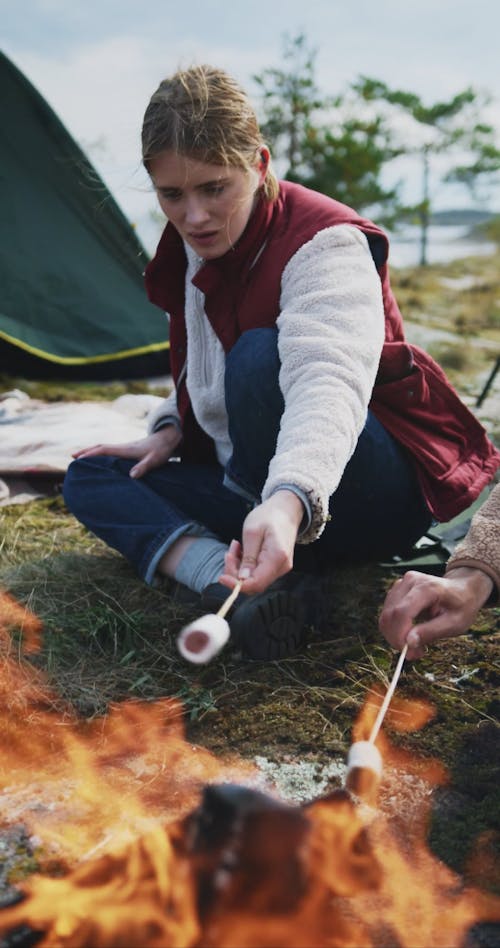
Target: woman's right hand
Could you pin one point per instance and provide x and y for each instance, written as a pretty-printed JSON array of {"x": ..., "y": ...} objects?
[
  {"x": 153, "y": 451},
  {"x": 268, "y": 540}
]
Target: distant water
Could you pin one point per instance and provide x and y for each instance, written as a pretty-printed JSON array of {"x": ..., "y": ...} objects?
[{"x": 445, "y": 243}]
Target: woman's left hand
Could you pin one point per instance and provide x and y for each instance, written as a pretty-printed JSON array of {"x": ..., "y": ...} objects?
[{"x": 268, "y": 541}]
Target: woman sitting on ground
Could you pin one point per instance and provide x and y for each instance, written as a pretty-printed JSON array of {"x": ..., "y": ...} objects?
[{"x": 307, "y": 430}]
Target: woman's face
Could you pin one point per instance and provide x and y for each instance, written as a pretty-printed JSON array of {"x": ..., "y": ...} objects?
[{"x": 209, "y": 205}]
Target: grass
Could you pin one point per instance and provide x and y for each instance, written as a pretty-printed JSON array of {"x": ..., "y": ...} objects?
[
  {"x": 461, "y": 296},
  {"x": 109, "y": 638},
  {"x": 57, "y": 391}
]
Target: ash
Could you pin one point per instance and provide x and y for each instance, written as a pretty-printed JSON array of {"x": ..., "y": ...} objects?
[{"x": 299, "y": 781}]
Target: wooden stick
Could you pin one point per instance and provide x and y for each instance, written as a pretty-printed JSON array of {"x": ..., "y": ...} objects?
[
  {"x": 229, "y": 601},
  {"x": 389, "y": 693}
]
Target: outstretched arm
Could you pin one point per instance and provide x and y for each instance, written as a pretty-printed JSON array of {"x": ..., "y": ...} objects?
[{"x": 330, "y": 289}]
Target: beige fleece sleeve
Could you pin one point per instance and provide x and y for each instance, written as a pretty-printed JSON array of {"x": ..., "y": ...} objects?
[
  {"x": 330, "y": 336},
  {"x": 481, "y": 547}
]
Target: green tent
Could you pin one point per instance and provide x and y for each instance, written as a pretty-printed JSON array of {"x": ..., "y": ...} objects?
[{"x": 72, "y": 301}]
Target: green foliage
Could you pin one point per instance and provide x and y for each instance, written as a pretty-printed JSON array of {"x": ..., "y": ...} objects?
[
  {"x": 435, "y": 116},
  {"x": 196, "y": 701},
  {"x": 340, "y": 145},
  {"x": 452, "y": 127},
  {"x": 327, "y": 143},
  {"x": 290, "y": 100},
  {"x": 345, "y": 161}
]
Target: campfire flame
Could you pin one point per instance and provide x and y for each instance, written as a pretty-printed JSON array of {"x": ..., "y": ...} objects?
[{"x": 151, "y": 842}]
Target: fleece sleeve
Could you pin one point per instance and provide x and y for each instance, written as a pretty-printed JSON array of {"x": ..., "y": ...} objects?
[
  {"x": 330, "y": 337},
  {"x": 481, "y": 547},
  {"x": 164, "y": 414}
]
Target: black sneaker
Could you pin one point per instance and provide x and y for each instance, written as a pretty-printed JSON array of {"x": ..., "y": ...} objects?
[{"x": 272, "y": 624}]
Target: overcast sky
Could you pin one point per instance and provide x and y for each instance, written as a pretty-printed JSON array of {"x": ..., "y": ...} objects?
[{"x": 97, "y": 63}]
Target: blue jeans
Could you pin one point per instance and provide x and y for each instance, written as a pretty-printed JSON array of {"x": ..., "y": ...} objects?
[{"x": 377, "y": 510}]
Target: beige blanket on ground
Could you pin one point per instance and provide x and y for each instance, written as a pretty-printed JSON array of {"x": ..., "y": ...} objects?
[{"x": 37, "y": 439}]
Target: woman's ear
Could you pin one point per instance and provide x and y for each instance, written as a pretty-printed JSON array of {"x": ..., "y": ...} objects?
[{"x": 263, "y": 160}]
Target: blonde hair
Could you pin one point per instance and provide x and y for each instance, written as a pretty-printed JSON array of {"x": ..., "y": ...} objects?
[{"x": 203, "y": 113}]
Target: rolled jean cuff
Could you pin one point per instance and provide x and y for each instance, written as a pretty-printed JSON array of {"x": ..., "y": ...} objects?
[{"x": 191, "y": 529}]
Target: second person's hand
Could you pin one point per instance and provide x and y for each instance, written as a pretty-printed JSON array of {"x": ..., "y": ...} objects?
[{"x": 420, "y": 609}]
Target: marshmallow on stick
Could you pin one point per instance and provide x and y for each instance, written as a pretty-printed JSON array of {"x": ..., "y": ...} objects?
[
  {"x": 364, "y": 770},
  {"x": 203, "y": 639},
  {"x": 364, "y": 763}
]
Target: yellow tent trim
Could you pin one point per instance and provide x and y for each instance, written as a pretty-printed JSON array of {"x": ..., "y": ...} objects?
[{"x": 75, "y": 360}]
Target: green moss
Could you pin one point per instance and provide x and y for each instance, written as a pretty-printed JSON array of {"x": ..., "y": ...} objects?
[{"x": 470, "y": 810}]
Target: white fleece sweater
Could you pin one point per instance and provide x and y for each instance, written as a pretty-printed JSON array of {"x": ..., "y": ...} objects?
[{"x": 330, "y": 337}]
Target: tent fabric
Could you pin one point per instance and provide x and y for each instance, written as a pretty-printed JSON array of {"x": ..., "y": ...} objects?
[
  {"x": 72, "y": 299},
  {"x": 432, "y": 552}
]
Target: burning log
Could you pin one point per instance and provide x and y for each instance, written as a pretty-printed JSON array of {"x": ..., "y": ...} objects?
[
  {"x": 242, "y": 869},
  {"x": 247, "y": 850}
]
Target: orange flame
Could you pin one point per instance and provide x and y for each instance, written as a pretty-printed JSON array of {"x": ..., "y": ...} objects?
[{"x": 168, "y": 852}]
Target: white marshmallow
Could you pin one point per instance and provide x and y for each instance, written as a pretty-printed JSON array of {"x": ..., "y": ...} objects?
[
  {"x": 201, "y": 640},
  {"x": 364, "y": 754}
]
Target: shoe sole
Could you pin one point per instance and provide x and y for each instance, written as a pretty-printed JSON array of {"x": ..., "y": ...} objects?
[{"x": 269, "y": 626}]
